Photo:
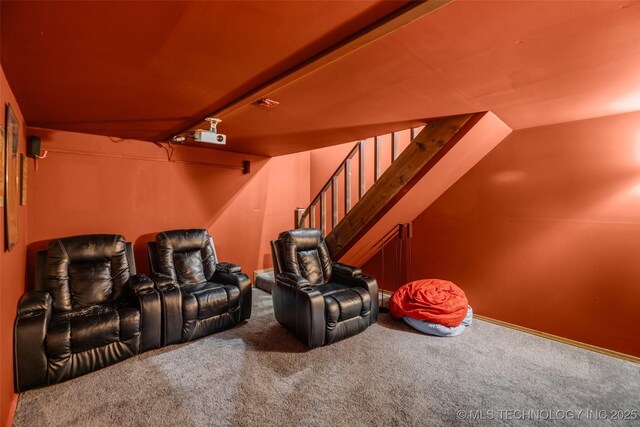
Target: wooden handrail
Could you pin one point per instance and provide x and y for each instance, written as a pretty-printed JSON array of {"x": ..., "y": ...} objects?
[{"x": 311, "y": 208}]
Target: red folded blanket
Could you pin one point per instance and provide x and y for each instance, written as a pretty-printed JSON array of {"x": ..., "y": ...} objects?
[{"x": 433, "y": 300}]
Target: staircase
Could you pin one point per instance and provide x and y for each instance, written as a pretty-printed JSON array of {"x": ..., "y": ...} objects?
[
  {"x": 367, "y": 169},
  {"x": 398, "y": 189}
]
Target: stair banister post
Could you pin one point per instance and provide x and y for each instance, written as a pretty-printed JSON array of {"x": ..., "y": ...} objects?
[
  {"x": 334, "y": 201},
  {"x": 312, "y": 215},
  {"x": 323, "y": 211},
  {"x": 299, "y": 217},
  {"x": 361, "y": 177},
  {"x": 347, "y": 185},
  {"x": 394, "y": 146},
  {"x": 377, "y": 153}
]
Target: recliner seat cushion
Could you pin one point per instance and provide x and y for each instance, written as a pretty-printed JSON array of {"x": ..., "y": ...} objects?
[
  {"x": 331, "y": 288},
  {"x": 346, "y": 304},
  {"x": 96, "y": 330},
  {"x": 130, "y": 322},
  {"x": 208, "y": 307},
  {"x": 208, "y": 299},
  {"x": 90, "y": 328}
]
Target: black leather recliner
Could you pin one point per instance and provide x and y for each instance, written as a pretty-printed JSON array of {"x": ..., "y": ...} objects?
[
  {"x": 318, "y": 300},
  {"x": 89, "y": 310},
  {"x": 200, "y": 296}
]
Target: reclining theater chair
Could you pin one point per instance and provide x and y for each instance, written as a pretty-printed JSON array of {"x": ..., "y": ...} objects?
[
  {"x": 88, "y": 311},
  {"x": 199, "y": 295},
  {"x": 317, "y": 300}
]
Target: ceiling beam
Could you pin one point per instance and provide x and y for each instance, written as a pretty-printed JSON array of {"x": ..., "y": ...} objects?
[{"x": 375, "y": 31}]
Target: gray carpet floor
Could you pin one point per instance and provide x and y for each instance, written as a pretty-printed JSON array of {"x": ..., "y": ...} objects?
[{"x": 258, "y": 374}]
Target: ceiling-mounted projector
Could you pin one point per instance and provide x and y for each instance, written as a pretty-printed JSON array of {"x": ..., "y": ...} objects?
[{"x": 210, "y": 136}]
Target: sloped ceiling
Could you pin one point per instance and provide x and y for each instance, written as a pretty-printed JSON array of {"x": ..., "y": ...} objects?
[{"x": 148, "y": 70}]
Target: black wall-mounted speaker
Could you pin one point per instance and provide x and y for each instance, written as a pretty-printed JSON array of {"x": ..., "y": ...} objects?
[{"x": 33, "y": 146}]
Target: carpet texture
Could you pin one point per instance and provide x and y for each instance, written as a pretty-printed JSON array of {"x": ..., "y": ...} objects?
[{"x": 259, "y": 374}]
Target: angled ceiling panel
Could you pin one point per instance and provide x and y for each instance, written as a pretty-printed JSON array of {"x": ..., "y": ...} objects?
[
  {"x": 147, "y": 70},
  {"x": 143, "y": 69}
]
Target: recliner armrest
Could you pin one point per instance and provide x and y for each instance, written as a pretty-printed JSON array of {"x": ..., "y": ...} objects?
[
  {"x": 345, "y": 270},
  {"x": 140, "y": 282},
  {"x": 34, "y": 301},
  {"x": 231, "y": 274},
  {"x": 162, "y": 281},
  {"x": 300, "y": 308},
  {"x": 171, "y": 301},
  {"x": 150, "y": 311},
  {"x": 228, "y": 267},
  {"x": 293, "y": 280},
  {"x": 30, "y": 330}
]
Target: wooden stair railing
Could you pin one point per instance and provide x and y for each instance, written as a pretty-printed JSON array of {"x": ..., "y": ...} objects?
[
  {"x": 424, "y": 151},
  {"x": 307, "y": 217}
]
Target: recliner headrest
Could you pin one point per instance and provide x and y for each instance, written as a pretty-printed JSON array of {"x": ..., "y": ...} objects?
[
  {"x": 305, "y": 253},
  {"x": 183, "y": 240},
  {"x": 89, "y": 247},
  {"x": 187, "y": 256},
  {"x": 303, "y": 239}
]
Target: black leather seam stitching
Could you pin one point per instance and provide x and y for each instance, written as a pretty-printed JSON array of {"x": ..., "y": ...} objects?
[
  {"x": 166, "y": 238},
  {"x": 362, "y": 304},
  {"x": 126, "y": 347},
  {"x": 193, "y": 330},
  {"x": 228, "y": 299},
  {"x": 197, "y": 308},
  {"x": 66, "y": 255},
  {"x": 64, "y": 371},
  {"x": 120, "y": 324}
]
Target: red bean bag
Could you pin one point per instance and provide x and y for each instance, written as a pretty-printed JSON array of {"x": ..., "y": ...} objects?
[{"x": 433, "y": 300}]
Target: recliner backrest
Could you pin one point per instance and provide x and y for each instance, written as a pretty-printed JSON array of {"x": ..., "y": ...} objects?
[
  {"x": 40, "y": 275},
  {"x": 86, "y": 270},
  {"x": 277, "y": 257},
  {"x": 305, "y": 253},
  {"x": 187, "y": 256}
]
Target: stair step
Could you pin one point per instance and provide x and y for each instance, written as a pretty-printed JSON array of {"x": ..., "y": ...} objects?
[{"x": 264, "y": 279}]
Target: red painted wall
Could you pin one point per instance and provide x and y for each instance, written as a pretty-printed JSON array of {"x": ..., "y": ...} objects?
[
  {"x": 323, "y": 163},
  {"x": 12, "y": 271},
  {"x": 94, "y": 184},
  {"x": 544, "y": 232}
]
